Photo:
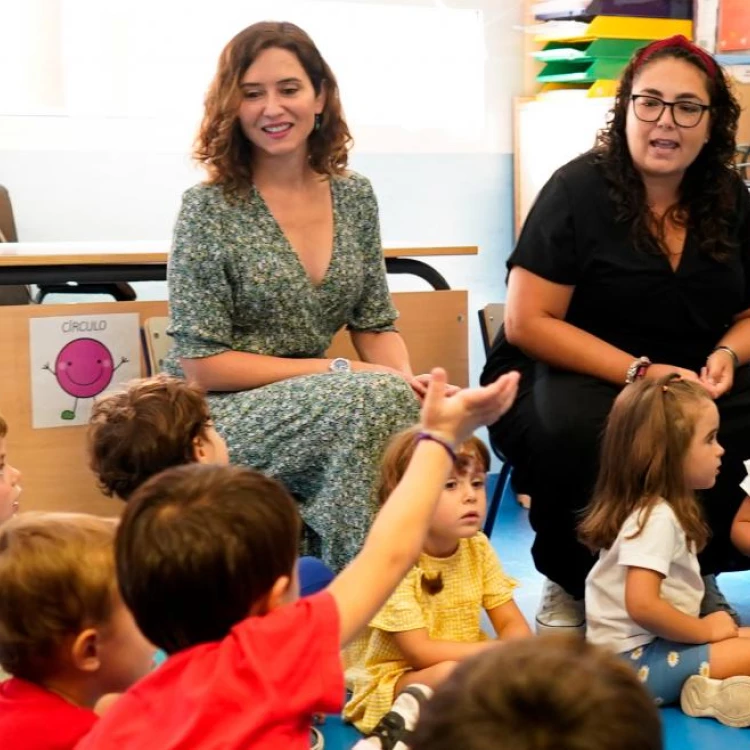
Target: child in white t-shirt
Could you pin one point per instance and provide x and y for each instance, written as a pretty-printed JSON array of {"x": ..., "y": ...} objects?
[{"x": 643, "y": 595}]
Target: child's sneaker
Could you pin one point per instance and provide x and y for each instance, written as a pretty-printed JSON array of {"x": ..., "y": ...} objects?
[
  {"x": 394, "y": 729},
  {"x": 316, "y": 739},
  {"x": 559, "y": 612},
  {"x": 728, "y": 700}
]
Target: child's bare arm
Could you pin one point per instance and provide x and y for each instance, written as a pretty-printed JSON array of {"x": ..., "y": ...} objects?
[
  {"x": 509, "y": 621},
  {"x": 397, "y": 536},
  {"x": 421, "y": 651},
  {"x": 741, "y": 528},
  {"x": 646, "y": 607}
]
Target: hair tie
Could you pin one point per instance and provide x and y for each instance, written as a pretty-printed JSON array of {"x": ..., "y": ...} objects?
[{"x": 683, "y": 43}]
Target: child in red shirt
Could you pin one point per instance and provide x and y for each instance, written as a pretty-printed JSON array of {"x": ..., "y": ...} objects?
[
  {"x": 65, "y": 635},
  {"x": 206, "y": 559}
]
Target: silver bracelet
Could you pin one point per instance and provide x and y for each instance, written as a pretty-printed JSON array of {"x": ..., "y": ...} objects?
[
  {"x": 729, "y": 351},
  {"x": 634, "y": 371}
]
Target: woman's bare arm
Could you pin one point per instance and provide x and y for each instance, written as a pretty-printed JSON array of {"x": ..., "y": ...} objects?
[{"x": 534, "y": 322}]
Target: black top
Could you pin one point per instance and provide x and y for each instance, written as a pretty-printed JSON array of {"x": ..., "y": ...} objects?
[{"x": 630, "y": 298}]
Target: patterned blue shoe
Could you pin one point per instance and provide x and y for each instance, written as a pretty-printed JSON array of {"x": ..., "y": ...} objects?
[{"x": 396, "y": 727}]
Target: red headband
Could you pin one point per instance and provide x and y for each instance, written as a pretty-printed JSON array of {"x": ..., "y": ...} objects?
[{"x": 677, "y": 41}]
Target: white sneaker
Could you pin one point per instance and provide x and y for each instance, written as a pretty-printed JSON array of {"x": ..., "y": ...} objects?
[
  {"x": 559, "y": 612},
  {"x": 727, "y": 701}
]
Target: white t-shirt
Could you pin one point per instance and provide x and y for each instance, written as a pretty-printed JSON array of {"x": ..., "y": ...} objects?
[
  {"x": 745, "y": 483},
  {"x": 661, "y": 546}
]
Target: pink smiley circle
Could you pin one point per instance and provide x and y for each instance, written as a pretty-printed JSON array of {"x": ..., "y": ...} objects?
[{"x": 84, "y": 368}]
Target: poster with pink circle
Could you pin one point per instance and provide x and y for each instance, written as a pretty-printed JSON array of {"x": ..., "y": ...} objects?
[{"x": 75, "y": 359}]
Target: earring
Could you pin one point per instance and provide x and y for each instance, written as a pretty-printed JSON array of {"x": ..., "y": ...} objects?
[{"x": 318, "y": 120}]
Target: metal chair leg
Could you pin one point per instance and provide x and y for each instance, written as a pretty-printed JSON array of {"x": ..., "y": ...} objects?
[{"x": 497, "y": 496}]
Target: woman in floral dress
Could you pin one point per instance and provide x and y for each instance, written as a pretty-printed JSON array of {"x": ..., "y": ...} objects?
[{"x": 272, "y": 255}]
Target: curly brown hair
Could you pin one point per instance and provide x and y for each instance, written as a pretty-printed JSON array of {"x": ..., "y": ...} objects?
[
  {"x": 708, "y": 192},
  {"x": 148, "y": 426},
  {"x": 221, "y": 146},
  {"x": 643, "y": 451}
]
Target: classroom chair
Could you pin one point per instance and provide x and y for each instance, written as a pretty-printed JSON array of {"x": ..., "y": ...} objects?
[
  {"x": 490, "y": 320},
  {"x": 156, "y": 343}
]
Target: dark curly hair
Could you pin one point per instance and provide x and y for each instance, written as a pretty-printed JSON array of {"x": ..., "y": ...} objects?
[
  {"x": 708, "y": 192},
  {"x": 221, "y": 146}
]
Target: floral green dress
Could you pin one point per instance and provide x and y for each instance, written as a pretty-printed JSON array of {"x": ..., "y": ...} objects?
[{"x": 235, "y": 283}]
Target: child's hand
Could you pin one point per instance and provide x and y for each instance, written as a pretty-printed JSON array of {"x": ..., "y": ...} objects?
[
  {"x": 720, "y": 627},
  {"x": 457, "y": 417}
]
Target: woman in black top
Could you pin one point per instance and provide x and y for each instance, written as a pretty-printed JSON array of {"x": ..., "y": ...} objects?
[{"x": 633, "y": 262}]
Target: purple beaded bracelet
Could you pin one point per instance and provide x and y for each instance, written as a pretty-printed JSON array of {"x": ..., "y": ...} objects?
[{"x": 440, "y": 441}]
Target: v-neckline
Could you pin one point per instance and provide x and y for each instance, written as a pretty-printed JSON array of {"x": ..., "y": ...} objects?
[
  {"x": 290, "y": 248},
  {"x": 675, "y": 270}
]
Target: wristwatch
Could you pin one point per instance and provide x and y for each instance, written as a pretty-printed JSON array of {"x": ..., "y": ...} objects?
[{"x": 340, "y": 364}]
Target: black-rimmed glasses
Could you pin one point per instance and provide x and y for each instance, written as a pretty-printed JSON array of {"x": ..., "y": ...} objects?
[{"x": 686, "y": 114}]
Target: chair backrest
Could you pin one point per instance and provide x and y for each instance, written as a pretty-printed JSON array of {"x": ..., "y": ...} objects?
[
  {"x": 157, "y": 342},
  {"x": 7, "y": 223},
  {"x": 490, "y": 320},
  {"x": 15, "y": 294}
]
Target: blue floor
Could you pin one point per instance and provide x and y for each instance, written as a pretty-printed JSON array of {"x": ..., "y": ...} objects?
[{"x": 512, "y": 539}]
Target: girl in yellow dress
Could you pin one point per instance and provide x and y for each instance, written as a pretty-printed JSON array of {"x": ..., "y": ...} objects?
[{"x": 432, "y": 620}]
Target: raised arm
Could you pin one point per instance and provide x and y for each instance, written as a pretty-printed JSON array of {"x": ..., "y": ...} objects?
[{"x": 398, "y": 533}]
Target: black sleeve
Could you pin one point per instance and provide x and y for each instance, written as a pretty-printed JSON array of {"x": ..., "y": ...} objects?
[{"x": 547, "y": 246}]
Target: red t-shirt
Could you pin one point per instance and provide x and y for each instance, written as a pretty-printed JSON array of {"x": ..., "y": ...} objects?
[
  {"x": 32, "y": 718},
  {"x": 257, "y": 688}
]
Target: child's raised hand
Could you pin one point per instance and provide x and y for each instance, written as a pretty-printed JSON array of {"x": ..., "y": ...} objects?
[
  {"x": 720, "y": 626},
  {"x": 457, "y": 417}
]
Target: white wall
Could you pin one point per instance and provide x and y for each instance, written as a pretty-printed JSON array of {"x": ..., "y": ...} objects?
[{"x": 117, "y": 172}]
